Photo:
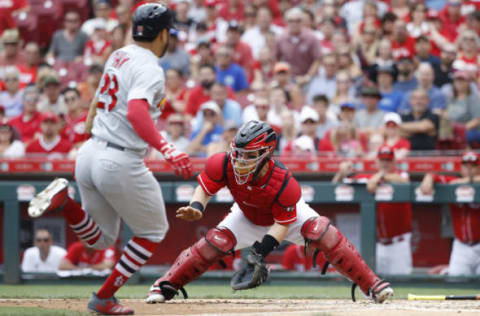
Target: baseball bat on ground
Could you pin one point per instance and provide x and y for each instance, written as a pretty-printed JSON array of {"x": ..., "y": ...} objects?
[{"x": 413, "y": 297}]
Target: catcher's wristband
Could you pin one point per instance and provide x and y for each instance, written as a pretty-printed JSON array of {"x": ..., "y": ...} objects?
[
  {"x": 197, "y": 205},
  {"x": 266, "y": 246}
]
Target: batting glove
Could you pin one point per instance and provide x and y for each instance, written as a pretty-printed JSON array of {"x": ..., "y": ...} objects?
[{"x": 178, "y": 160}]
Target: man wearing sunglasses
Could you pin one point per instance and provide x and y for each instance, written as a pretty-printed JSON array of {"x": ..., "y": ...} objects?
[
  {"x": 44, "y": 256},
  {"x": 465, "y": 256}
]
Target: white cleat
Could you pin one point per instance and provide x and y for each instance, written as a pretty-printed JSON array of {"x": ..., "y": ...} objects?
[
  {"x": 383, "y": 295},
  {"x": 53, "y": 197}
]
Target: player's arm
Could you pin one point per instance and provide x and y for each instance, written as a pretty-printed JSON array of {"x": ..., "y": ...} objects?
[
  {"x": 198, "y": 203},
  {"x": 374, "y": 181},
  {"x": 66, "y": 264},
  {"x": 92, "y": 111},
  {"x": 396, "y": 178},
  {"x": 105, "y": 264},
  {"x": 138, "y": 114},
  {"x": 425, "y": 126}
]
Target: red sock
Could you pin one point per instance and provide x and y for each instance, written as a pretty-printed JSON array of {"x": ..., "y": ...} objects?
[
  {"x": 135, "y": 255},
  {"x": 81, "y": 223}
]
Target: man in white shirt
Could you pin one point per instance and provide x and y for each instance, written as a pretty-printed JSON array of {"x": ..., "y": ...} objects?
[{"x": 44, "y": 256}]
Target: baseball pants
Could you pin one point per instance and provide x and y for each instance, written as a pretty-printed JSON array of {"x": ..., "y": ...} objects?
[
  {"x": 464, "y": 259},
  {"x": 395, "y": 258},
  {"x": 116, "y": 184}
]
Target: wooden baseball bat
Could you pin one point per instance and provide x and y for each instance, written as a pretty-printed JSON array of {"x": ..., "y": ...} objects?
[{"x": 413, "y": 297}]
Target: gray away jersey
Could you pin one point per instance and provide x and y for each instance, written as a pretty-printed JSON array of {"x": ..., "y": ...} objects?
[{"x": 131, "y": 72}]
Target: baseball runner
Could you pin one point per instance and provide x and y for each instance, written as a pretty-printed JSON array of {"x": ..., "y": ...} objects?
[
  {"x": 268, "y": 209},
  {"x": 113, "y": 180},
  {"x": 394, "y": 220},
  {"x": 465, "y": 256}
]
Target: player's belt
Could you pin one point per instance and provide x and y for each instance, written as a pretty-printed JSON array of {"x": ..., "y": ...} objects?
[{"x": 117, "y": 147}]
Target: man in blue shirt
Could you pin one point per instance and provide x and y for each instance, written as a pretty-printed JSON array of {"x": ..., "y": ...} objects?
[
  {"x": 229, "y": 73},
  {"x": 406, "y": 80},
  {"x": 391, "y": 99},
  {"x": 209, "y": 131}
]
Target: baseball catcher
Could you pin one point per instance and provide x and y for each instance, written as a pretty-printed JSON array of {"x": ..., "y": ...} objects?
[{"x": 268, "y": 209}]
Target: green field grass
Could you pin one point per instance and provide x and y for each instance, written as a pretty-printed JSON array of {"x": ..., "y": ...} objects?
[
  {"x": 216, "y": 291},
  {"x": 24, "y": 311}
]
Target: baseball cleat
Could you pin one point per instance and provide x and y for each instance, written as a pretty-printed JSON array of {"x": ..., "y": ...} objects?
[
  {"x": 381, "y": 292},
  {"x": 53, "y": 197},
  {"x": 155, "y": 295},
  {"x": 162, "y": 291},
  {"x": 107, "y": 306}
]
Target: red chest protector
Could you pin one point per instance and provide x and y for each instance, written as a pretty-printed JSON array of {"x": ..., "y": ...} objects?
[{"x": 257, "y": 199}]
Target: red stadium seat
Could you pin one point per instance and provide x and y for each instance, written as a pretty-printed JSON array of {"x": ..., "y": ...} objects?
[
  {"x": 49, "y": 14},
  {"x": 80, "y": 6},
  {"x": 27, "y": 24}
]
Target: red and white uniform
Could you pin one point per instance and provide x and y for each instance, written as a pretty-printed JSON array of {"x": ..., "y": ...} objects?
[
  {"x": 78, "y": 255},
  {"x": 54, "y": 149},
  {"x": 394, "y": 232},
  {"x": 276, "y": 197},
  {"x": 465, "y": 256},
  {"x": 74, "y": 131}
]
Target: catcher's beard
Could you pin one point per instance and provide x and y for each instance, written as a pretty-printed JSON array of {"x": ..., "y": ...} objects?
[{"x": 243, "y": 169}]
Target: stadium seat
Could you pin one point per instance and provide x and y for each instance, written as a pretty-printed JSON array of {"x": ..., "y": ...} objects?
[
  {"x": 27, "y": 24},
  {"x": 80, "y": 6}
]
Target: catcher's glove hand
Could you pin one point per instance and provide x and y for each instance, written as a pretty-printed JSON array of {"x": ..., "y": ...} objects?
[{"x": 253, "y": 274}]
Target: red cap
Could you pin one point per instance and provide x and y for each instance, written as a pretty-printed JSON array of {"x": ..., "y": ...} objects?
[
  {"x": 210, "y": 3},
  {"x": 50, "y": 117},
  {"x": 385, "y": 153},
  {"x": 470, "y": 157}
]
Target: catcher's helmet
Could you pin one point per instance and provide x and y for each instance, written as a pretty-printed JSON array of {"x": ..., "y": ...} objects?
[
  {"x": 251, "y": 148},
  {"x": 149, "y": 19}
]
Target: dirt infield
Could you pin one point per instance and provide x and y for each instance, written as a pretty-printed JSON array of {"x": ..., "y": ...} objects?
[{"x": 277, "y": 307}]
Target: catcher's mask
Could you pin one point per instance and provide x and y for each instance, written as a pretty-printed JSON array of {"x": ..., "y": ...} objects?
[{"x": 251, "y": 148}]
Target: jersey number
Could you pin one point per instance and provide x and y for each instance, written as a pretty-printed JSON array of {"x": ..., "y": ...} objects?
[{"x": 110, "y": 87}]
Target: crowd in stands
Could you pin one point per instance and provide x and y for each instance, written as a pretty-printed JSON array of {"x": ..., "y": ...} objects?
[{"x": 336, "y": 76}]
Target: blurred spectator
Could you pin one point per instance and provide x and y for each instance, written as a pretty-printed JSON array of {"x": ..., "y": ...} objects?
[
  {"x": 451, "y": 18},
  {"x": 344, "y": 91},
  {"x": 347, "y": 112},
  {"x": 3, "y": 119},
  {"x": 28, "y": 123},
  {"x": 74, "y": 120},
  {"x": 200, "y": 93},
  {"x": 119, "y": 32},
  {"x": 352, "y": 11},
  {"x": 175, "y": 93},
  {"x": 10, "y": 10},
  {"x": 79, "y": 256},
  {"x": 231, "y": 10},
  {"x": 264, "y": 69},
  {"x": 175, "y": 57},
  {"x": 255, "y": 37},
  {"x": 197, "y": 11},
  {"x": 228, "y": 72},
  {"x": 99, "y": 46},
  {"x": 463, "y": 108},
  {"x": 325, "y": 81},
  {"x": 257, "y": 111},
  {"x": 444, "y": 69},
  {"x": 437, "y": 100},
  {"x": 367, "y": 44},
  {"x": 204, "y": 56},
  {"x": 299, "y": 48},
  {"x": 296, "y": 258},
  {"x": 11, "y": 54},
  {"x": 403, "y": 44},
  {"x": 288, "y": 130},
  {"x": 174, "y": 133},
  {"x": 242, "y": 53},
  {"x": 278, "y": 103},
  {"x": 343, "y": 140},
  {"x": 223, "y": 144},
  {"x": 49, "y": 144},
  {"x": 393, "y": 139},
  {"x": 11, "y": 98},
  {"x": 468, "y": 58},
  {"x": 370, "y": 118},
  {"x": 326, "y": 119},
  {"x": 9, "y": 146},
  {"x": 406, "y": 80},
  {"x": 384, "y": 55},
  {"x": 209, "y": 131},
  {"x": 347, "y": 63},
  {"x": 387, "y": 22},
  {"x": 216, "y": 27},
  {"x": 418, "y": 25},
  {"x": 391, "y": 99},
  {"x": 394, "y": 220},
  {"x": 182, "y": 21},
  {"x": 44, "y": 256},
  {"x": 307, "y": 142},
  {"x": 423, "y": 49},
  {"x": 375, "y": 141},
  {"x": 465, "y": 217},
  {"x": 68, "y": 43},
  {"x": 88, "y": 88},
  {"x": 421, "y": 125},
  {"x": 28, "y": 69},
  {"x": 102, "y": 10},
  {"x": 51, "y": 100}
]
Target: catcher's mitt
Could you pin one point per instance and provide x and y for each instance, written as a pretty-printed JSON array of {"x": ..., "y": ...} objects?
[{"x": 253, "y": 274}]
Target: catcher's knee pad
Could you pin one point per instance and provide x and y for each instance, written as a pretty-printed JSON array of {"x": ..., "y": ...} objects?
[
  {"x": 320, "y": 234},
  {"x": 194, "y": 261}
]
